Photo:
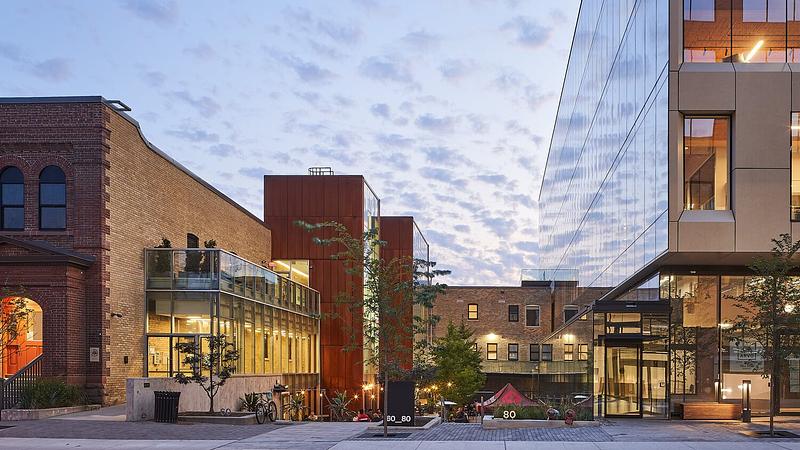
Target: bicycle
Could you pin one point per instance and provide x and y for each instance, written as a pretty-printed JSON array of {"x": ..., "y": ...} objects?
[{"x": 266, "y": 408}]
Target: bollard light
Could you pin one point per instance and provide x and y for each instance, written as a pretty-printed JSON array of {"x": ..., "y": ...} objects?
[{"x": 746, "y": 411}]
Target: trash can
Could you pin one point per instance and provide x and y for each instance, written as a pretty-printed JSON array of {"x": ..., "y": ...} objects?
[{"x": 166, "y": 406}]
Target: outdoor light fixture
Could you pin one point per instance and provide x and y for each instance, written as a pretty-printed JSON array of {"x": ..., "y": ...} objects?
[
  {"x": 789, "y": 308},
  {"x": 491, "y": 336},
  {"x": 746, "y": 411},
  {"x": 752, "y": 52}
]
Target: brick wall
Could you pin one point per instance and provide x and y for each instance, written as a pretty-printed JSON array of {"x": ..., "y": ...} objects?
[{"x": 150, "y": 198}]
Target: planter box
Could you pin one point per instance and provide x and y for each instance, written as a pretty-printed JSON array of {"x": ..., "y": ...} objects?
[
  {"x": 236, "y": 418},
  {"x": 498, "y": 424},
  {"x": 36, "y": 414}
]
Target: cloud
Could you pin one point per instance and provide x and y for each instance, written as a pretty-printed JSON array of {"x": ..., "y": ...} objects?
[
  {"x": 509, "y": 79},
  {"x": 429, "y": 122},
  {"x": 442, "y": 175},
  {"x": 462, "y": 228},
  {"x": 345, "y": 34},
  {"x": 495, "y": 179},
  {"x": 477, "y": 123},
  {"x": 384, "y": 68},
  {"x": 446, "y": 240},
  {"x": 421, "y": 40},
  {"x": 338, "y": 155},
  {"x": 254, "y": 172},
  {"x": 305, "y": 70},
  {"x": 201, "y": 51},
  {"x": 456, "y": 69},
  {"x": 154, "y": 78},
  {"x": 534, "y": 97},
  {"x": 325, "y": 50},
  {"x": 194, "y": 134},
  {"x": 308, "y": 96},
  {"x": 380, "y": 110},
  {"x": 204, "y": 105},
  {"x": 393, "y": 140},
  {"x": 529, "y": 33},
  {"x": 53, "y": 69},
  {"x": 394, "y": 161},
  {"x": 439, "y": 155},
  {"x": 159, "y": 11},
  {"x": 223, "y": 150},
  {"x": 501, "y": 226}
]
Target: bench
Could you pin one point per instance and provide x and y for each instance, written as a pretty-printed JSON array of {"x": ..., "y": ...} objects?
[{"x": 710, "y": 410}]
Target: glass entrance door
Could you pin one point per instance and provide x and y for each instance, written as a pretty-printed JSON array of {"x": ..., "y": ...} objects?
[
  {"x": 654, "y": 384},
  {"x": 623, "y": 381}
]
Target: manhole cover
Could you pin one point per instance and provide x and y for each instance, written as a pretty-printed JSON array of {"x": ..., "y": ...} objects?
[{"x": 776, "y": 434}]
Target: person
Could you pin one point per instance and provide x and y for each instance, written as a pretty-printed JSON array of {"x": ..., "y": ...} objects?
[
  {"x": 361, "y": 417},
  {"x": 460, "y": 416},
  {"x": 377, "y": 416}
]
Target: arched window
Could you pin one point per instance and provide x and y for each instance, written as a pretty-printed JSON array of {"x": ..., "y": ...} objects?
[
  {"x": 12, "y": 199},
  {"x": 52, "y": 199}
]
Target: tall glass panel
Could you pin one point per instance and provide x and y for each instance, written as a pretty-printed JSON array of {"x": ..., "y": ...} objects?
[
  {"x": 705, "y": 162},
  {"x": 795, "y": 129},
  {"x": 191, "y": 312},
  {"x": 622, "y": 370}
]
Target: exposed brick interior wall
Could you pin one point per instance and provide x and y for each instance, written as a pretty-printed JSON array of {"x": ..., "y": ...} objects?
[{"x": 150, "y": 198}]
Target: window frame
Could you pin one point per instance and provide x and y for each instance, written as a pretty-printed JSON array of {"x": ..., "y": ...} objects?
[
  {"x": 538, "y": 315},
  {"x": 549, "y": 352},
  {"x": 43, "y": 206},
  {"x": 569, "y": 352},
  {"x": 515, "y": 352},
  {"x": 792, "y": 131},
  {"x": 583, "y": 352},
  {"x": 469, "y": 311},
  {"x": 729, "y": 119},
  {"x": 489, "y": 351},
  {"x": 516, "y": 314},
  {"x": 533, "y": 349},
  {"x": 15, "y": 206},
  {"x": 566, "y": 308}
]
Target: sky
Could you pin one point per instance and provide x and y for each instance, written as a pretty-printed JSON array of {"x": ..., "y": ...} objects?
[{"x": 446, "y": 107}]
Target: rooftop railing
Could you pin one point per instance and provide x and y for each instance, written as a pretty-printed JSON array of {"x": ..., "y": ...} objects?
[
  {"x": 211, "y": 269},
  {"x": 549, "y": 274}
]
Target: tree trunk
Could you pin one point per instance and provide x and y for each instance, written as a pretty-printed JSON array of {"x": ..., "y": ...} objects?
[{"x": 385, "y": 402}]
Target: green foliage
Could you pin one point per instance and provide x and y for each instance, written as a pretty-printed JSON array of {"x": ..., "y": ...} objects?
[
  {"x": 219, "y": 361},
  {"x": 458, "y": 365},
  {"x": 770, "y": 303},
  {"x": 47, "y": 393},
  {"x": 211, "y": 243},
  {"x": 165, "y": 243},
  {"x": 250, "y": 401},
  {"x": 540, "y": 412},
  {"x": 296, "y": 406},
  {"x": 340, "y": 407}
]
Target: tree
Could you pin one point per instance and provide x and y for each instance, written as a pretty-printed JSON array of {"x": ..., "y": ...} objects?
[
  {"x": 14, "y": 315},
  {"x": 768, "y": 330},
  {"x": 384, "y": 296},
  {"x": 219, "y": 362},
  {"x": 425, "y": 293},
  {"x": 458, "y": 364}
]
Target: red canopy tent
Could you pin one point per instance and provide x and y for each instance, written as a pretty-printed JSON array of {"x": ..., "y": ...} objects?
[{"x": 508, "y": 395}]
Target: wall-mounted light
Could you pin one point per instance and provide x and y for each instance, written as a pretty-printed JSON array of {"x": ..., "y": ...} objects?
[
  {"x": 752, "y": 52},
  {"x": 491, "y": 337}
]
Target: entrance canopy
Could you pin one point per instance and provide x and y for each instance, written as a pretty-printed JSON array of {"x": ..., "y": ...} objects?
[{"x": 508, "y": 395}]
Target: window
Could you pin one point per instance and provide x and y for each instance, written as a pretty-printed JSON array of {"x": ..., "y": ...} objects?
[
  {"x": 491, "y": 352},
  {"x": 705, "y": 163},
  {"x": 192, "y": 241},
  {"x": 583, "y": 352},
  {"x": 532, "y": 316},
  {"x": 547, "y": 352},
  {"x": 12, "y": 199},
  {"x": 52, "y": 199},
  {"x": 795, "y": 202},
  {"x": 534, "y": 352},
  {"x": 289, "y": 348},
  {"x": 569, "y": 312},
  {"x": 472, "y": 311},
  {"x": 698, "y": 10},
  {"x": 569, "y": 350},
  {"x": 513, "y": 352},
  {"x": 513, "y": 313}
]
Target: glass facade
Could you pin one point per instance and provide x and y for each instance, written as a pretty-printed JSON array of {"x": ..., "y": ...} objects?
[
  {"x": 272, "y": 321},
  {"x": 741, "y": 31},
  {"x": 604, "y": 193}
]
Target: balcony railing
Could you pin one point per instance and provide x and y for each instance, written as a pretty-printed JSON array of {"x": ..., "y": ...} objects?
[
  {"x": 171, "y": 269},
  {"x": 535, "y": 367},
  {"x": 549, "y": 275}
]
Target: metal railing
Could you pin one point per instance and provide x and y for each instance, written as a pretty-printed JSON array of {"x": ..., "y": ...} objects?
[{"x": 13, "y": 386}]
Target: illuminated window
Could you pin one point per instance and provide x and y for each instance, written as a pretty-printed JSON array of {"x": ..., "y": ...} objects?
[
  {"x": 513, "y": 352},
  {"x": 472, "y": 311},
  {"x": 532, "y": 316},
  {"x": 795, "y": 202},
  {"x": 12, "y": 199},
  {"x": 583, "y": 352},
  {"x": 491, "y": 352},
  {"x": 513, "y": 313},
  {"x": 705, "y": 163},
  {"x": 569, "y": 354}
]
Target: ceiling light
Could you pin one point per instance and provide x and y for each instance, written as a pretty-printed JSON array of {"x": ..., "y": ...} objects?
[{"x": 752, "y": 52}]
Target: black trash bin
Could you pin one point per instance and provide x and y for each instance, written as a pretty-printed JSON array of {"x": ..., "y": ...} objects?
[{"x": 166, "y": 406}]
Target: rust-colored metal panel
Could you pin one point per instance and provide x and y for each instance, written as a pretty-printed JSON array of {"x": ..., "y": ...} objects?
[
  {"x": 331, "y": 197},
  {"x": 294, "y": 196},
  {"x": 351, "y": 196},
  {"x": 275, "y": 197},
  {"x": 314, "y": 196}
]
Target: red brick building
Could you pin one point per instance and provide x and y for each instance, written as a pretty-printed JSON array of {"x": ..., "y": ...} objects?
[{"x": 84, "y": 193}]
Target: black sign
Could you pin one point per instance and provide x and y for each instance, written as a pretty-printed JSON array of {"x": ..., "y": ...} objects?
[{"x": 401, "y": 403}]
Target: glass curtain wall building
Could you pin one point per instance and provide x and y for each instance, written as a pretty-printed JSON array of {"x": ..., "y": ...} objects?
[
  {"x": 668, "y": 173},
  {"x": 271, "y": 320}
]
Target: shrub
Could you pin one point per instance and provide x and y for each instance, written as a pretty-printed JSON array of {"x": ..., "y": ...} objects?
[
  {"x": 250, "y": 401},
  {"x": 46, "y": 393}
]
